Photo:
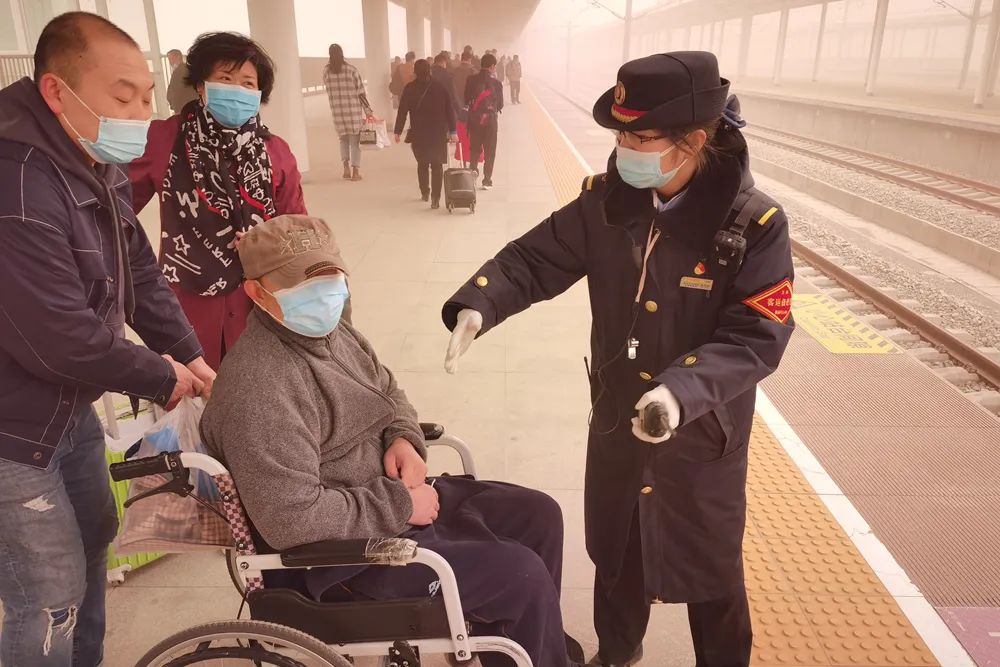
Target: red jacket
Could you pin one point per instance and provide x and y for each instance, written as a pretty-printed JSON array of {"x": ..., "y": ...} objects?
[{"x": 218, "y": 320}]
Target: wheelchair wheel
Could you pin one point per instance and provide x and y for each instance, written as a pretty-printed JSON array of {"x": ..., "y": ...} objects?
[{"x": 242, "y": 643}]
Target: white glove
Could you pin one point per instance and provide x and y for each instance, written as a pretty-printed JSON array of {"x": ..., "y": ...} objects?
[
  {"x": 660, "y": 394},
  {"x": 470, "y": 323}
]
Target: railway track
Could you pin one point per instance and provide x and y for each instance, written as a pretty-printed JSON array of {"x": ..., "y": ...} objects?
[
  {"x": 937, "y": 346},
  {"x": 966, "y": 192}
]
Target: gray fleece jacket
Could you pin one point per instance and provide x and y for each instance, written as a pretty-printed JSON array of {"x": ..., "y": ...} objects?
[{"x": 303, "y": 423}]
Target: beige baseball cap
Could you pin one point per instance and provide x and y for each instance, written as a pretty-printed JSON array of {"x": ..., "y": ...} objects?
[{"x": 289, "y": 249}]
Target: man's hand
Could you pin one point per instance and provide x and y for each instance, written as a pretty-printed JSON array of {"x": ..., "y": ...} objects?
[
  {"x": 402, "y": 462},
  {"x": 425, "y": 505},
  {"x": 396, "y": 137},
  {"x": 187, "y": 383},
  {"x": 203, "y": 372},
  {"x": 470, "y": 322}
]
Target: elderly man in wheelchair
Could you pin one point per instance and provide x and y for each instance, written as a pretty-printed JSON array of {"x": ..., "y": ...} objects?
[{"x": 329, "y": 460}]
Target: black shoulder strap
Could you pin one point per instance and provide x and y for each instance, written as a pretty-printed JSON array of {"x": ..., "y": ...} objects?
[{"x": 747, "y": 203}]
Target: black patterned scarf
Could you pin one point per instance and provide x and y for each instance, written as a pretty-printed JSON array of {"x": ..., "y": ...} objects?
[{"x": 219, "y": 181}]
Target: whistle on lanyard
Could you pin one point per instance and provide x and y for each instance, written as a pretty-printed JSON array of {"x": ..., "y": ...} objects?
[{"x": 633, "y": 348}]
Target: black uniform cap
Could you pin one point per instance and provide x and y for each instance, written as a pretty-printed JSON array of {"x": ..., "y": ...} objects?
[{"x": 664, "y": 90}]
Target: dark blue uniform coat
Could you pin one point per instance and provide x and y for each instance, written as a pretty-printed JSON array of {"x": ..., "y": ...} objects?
[{"x": 710, "y": 347}]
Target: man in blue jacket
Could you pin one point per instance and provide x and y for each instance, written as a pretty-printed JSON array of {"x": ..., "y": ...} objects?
[{"x": 76, "y": 267}]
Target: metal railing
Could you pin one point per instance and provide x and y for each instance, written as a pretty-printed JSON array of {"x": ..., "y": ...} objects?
[{"x": 16, "y": 67}]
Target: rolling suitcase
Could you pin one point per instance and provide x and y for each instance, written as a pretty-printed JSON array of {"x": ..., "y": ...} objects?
[{"x": 459, "y": 186}]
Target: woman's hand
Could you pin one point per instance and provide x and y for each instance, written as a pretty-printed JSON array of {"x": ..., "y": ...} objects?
[
  {"x": 397, "y": 138},
  {"x": 469, "y": 324}
]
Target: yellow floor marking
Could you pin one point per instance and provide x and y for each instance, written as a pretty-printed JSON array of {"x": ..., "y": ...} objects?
[{"x": 836, "y": 328}]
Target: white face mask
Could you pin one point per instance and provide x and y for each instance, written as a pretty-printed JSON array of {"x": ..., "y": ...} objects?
[
  {"x": 118, "y": 140},
  {"x": 642, "y": 170}
]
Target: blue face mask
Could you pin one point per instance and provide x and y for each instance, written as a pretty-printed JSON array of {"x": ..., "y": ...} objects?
[
  {"x": 118, "y": 140},
  {"x": 642, "y": 170},
  {"x": 313, "y": 308},
  {"x": 231, "y": 105}
]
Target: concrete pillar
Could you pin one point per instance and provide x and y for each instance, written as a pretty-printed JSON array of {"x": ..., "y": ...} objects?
[
  {"x": 159, "y": 80},
  {"x": 991, "y": 89},
  {"x": 414, "y": 26},
  {"x": 875, "y": 55},
  {"x": 745, "y": 28},
  {"x": 722, "y": 36},
  {"x": 569, "y": 49},
  {"x": 272, "y": 25},
  {"x": 989, "y": 53},
  {"x": 627, "y": 37},
  {"x": 437, "y": 26},
  {"x": 779, "y": 54},
  {"x": 819, "y": 41},
  {"x": 375, "y": 16},
  {"x": 970, "y": 39}
]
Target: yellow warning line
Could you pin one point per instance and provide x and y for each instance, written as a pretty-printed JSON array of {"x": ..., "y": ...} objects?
[
  {"x": 814, "y": 599},
  {"x": 836, "y": 328}
]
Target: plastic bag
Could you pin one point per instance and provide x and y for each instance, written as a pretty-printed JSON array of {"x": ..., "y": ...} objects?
[
  {"x": 167, "y": 522},
  {"x": 374, "y": 133}
]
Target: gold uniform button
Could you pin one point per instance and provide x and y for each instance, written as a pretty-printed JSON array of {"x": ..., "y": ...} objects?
[
  {"x": 690, "y": 361},
  {"x": 482, "y": 281},
  {"x": 645, "y": 376},
  {"x": 651, "y": 306},
  {"x": 646, "y": 490}
]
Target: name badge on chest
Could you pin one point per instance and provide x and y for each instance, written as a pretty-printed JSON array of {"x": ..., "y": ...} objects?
[{"x": 704, "y": 284}]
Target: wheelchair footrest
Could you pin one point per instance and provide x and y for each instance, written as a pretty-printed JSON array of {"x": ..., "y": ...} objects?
[{"x": 352, "y": 622}]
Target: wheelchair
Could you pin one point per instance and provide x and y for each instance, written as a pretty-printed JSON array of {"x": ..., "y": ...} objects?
[{"x": 288, "y": 629}]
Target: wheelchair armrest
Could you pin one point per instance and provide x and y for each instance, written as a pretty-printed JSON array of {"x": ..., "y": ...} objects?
[
  {"x": 373, "y": 551},
  {"x": 432, "y": 431}
]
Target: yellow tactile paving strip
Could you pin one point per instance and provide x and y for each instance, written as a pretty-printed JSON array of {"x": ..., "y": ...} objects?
[{"x": 813, "y": 597}]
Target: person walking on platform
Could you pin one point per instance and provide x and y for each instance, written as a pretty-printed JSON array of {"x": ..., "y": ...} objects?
[
  {"x": 345, "y": 90},
  {"x": 690, "y": 275},
  {"x": 76, "y": 267},
  {"x": 514, "y": 77},
  {"x": 216, "y": 171},
  {"x": 484, "y": 97},
  {"x": 461, "y": 76},
  {"x": 179, "y": 90},
  {"x": 431, "y": 108},
  {"x": 441, "y": 74}
]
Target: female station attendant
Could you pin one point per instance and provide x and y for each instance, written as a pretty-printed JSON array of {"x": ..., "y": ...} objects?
[{"x": 690, "y": 275}]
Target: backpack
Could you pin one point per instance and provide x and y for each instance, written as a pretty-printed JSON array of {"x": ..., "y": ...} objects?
[{"x": 484, "y": 108}]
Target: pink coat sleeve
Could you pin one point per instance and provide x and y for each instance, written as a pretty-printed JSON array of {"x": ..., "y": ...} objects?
[
  {"x": 146, "y": 174},
  {"x": 288, "y": 197}
]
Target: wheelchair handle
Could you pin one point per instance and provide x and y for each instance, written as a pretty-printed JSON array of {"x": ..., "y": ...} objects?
[{"x": 150, "y": 465}]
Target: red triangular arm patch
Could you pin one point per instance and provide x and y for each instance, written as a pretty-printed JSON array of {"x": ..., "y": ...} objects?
[{"x": 775, "y": 303}]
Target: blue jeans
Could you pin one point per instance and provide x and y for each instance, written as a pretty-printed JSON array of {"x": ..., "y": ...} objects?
[
  {"x": 55, "y": 528},
  {"x": 350, "y": 149}
]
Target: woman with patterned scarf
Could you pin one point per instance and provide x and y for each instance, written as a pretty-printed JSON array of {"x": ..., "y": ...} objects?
[{"x": 218, "y": 172}]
